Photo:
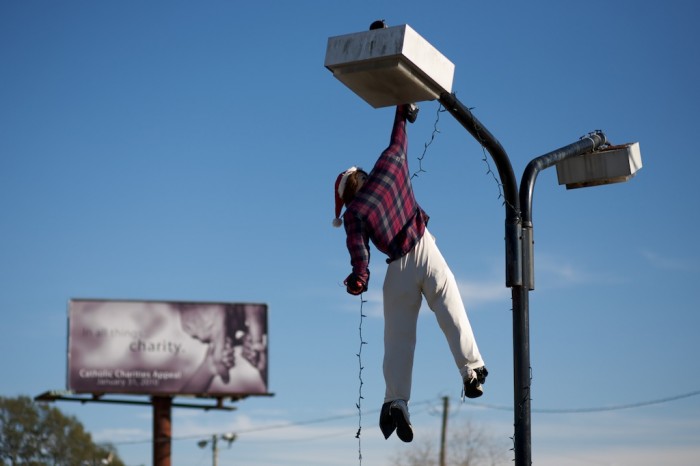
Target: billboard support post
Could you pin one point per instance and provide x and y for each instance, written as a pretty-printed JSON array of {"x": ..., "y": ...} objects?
[{"x": 162, "y": 430}]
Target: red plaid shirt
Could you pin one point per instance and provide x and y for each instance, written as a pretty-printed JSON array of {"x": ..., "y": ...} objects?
[{"x": 385, "y": 210}]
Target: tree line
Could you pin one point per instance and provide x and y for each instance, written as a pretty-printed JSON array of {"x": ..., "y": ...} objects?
[{"x": 36, "y": 434}]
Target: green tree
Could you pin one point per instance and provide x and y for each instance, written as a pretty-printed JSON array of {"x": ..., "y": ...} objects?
[{"x": 36, "y": 434}]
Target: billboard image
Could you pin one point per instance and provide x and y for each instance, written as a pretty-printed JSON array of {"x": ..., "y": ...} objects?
[{"x": 176, "y": 348}]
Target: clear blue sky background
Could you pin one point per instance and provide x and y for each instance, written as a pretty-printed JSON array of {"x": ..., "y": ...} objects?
[{"x": 176, "y": 150}]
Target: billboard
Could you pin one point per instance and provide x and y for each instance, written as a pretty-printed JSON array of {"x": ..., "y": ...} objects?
[{"x": 167, "y": 347}]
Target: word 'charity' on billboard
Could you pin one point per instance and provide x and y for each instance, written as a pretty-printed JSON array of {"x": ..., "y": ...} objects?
[{"x": 174, "y": 348}]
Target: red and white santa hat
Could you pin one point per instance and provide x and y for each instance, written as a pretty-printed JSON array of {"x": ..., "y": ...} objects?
[{"x": 339, "y": 190}]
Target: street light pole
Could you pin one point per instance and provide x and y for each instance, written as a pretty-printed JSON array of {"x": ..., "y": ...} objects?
[
  {"x": 514, "y": 276},
  {"x": 521, "y": 292},
  {"x": 507, "y": 177},
  {"x": 229, "y": 437},
  {"x": 519, "y": 254}
]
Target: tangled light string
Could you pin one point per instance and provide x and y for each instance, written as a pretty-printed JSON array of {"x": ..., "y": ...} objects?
[
  {"x": 359, "y": 396},
  {"x": 427, "y": 144}
]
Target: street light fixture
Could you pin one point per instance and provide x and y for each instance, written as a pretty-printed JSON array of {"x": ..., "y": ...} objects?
[
  {"x": 229, "y": 437},
  {"x": 389, "y": 66},
  {"x": 611, "y": 164}
]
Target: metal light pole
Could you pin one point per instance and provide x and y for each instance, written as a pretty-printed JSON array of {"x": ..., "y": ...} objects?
[
  {"x": 527, "y": 188},
  {"x": 521, "y": 292},
  {"x": 514, "y": 276},
  {"x": 519, "y": 254}
]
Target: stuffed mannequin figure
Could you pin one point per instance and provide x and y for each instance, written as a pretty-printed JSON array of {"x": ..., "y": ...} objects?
[{"x": 380, "y": 207}]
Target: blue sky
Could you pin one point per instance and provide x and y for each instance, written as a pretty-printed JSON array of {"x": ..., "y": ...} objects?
[{"x": 187, "y": 151}]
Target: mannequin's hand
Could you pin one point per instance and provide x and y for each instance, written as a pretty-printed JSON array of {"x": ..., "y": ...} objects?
[{"x": 355, "y": 285}]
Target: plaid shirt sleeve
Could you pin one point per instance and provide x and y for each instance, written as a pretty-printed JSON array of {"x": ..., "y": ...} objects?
[
  {"x": 383, "y": 205},
  {"x": 358, "y": 246}
]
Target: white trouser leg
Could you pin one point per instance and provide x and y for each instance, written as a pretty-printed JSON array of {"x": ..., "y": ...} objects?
[
  {"x": 443, "y": 297},
  {"x": 422, "y": 272},
  {"x": 402, "y": 300}
]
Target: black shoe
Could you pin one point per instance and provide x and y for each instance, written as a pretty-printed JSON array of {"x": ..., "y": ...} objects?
[
  {"x": 412, "y": 112},
  {"x": 386, "y": 423},
  {"x": 473, "y": 381},
  {"x": 399, "y": 413},
  {"x": 394, "y": 416}
]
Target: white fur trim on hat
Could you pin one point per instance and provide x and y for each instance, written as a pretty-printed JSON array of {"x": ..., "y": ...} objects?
[{"x": 344, "y": 180}]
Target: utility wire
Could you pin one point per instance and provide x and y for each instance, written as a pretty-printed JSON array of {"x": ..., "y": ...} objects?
[
  {"x": 620, "y": 407},
  {"x": 430, "y": 402},
  {"x": 598, "y": 409}
]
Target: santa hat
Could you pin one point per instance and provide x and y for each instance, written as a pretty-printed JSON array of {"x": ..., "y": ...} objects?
[{"x": 339, "y": 190}]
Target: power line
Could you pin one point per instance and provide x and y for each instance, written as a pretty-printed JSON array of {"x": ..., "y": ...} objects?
[
  {"x": 596, "y": 409},
  {"x": 429, "y": 402},
  {"x": 620, "y": 407}
]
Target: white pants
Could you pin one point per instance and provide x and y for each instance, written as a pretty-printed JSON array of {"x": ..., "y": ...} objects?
[{"x": 422, "y": 272}]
